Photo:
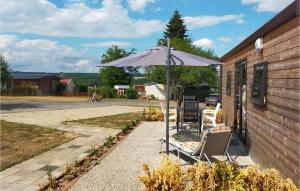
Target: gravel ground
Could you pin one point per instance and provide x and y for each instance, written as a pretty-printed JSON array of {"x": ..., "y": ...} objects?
[
  {"x": 52, "y": 118},
  {"x": 120, "y": 169}
]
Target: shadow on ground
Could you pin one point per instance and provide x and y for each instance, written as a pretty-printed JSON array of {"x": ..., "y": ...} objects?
[{"x": 12, "y": 106}]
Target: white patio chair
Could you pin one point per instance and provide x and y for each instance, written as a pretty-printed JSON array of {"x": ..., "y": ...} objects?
[
  {"x": 210, "y": 115},
  {"x": 171, "y": 117}
]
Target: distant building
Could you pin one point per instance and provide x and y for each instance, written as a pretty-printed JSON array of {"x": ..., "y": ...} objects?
[
  {"x": 140, "y": 89},
  {"x": 70, "y": 86},
  {"x": 121, "y": 89},
  {"x": 45, "y": 82}
]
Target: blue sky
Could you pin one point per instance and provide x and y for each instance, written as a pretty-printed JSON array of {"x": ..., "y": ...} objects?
[{"x": 70, "y": 35}]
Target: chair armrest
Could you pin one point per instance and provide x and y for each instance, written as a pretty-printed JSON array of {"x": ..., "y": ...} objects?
[{"x": 208, "y": 111}]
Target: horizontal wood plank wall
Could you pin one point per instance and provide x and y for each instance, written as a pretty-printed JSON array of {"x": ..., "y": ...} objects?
[{"x": 274, "y": 139}]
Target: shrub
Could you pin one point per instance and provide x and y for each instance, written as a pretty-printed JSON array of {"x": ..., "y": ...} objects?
[
  {"x": 108, "y": 141},
  {"x": 219, "y": 176},
  {"x": 131, "y": 93},
  {"x": 95, "y": 151},
  {"x": 202, "y": 176},
  {"x": 167, "y": 176},
  {"x": 107, "y": 92},
  {"x": 153, "y": 114},
  {"x": 126, "y": 128},
  {"x": 82, "y": 88},
  {"x": 152, "y": 97}
]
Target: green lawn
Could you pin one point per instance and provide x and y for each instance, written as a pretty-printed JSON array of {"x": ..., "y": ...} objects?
[
  {"x": 112, "y": 121},
  {"x": 20, "y": 142}
]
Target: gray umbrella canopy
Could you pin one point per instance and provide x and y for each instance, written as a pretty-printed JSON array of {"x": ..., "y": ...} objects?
[
  {"x": 158, "y": 56},
  {"x": 162, "y": 56}
]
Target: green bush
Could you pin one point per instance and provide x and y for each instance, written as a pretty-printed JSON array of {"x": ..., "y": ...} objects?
[
  {"x": 82, "y": 88},
  {"x": 108, "y": 141},
  {"x": 131, "y": 93},
  {"x": 107, "y": 92},
  {"x": 126, "y": 128}
]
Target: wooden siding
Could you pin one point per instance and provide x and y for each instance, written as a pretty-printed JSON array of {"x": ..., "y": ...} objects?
[{"x": 273, "y": 131}]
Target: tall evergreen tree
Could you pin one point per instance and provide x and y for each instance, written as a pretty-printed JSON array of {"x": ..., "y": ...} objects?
[{"x": 176, "y": 27}]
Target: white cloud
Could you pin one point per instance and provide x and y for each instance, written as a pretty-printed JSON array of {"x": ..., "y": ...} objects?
[
  {"x": 204, "y": 42},
  {"x": 139, "y": 5},
  {"x": 204, "y": 21},
  {"x": 6, "y": 41},
  {"x": 75, "y": 19},
  {"x": 107, "y": 44},
  {"x": 268, "y": 5},
  {"x": 44, "y": 55},
  {"x": 224, "y": 39}
]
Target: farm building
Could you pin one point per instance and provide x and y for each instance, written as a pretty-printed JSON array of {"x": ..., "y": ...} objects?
[
  {"x": 45, "y": 82},
  {"x": 261, "y": 92}
]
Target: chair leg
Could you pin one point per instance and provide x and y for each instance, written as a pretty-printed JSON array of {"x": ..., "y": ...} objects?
[
  {"x": 229, "y": 157},
  {"x": 206, "y": 157},
  {"x": 161, "y": 143}
]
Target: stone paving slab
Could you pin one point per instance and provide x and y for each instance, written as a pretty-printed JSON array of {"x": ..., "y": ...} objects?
[{"x": 33, "y": 172}]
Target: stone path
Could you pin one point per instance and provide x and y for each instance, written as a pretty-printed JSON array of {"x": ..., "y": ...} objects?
[
  {"x": 120, "y": 169},
  {"x": 29, "y": 174}
]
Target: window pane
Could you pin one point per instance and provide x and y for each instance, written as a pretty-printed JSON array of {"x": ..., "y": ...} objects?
[{"x": 259, "y": 79}]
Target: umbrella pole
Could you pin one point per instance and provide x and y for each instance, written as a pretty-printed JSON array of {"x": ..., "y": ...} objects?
[{"x": 168, "y": 64}]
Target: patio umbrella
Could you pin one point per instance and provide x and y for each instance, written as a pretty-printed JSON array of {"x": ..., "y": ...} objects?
[{"x": 162, "y": 56}]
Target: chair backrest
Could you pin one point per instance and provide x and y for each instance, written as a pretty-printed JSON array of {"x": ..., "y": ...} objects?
[
  {"x": 162, "y": 106},
  {"x": 190, "y": 111},
  {"x": 217, "y": 109},
  {"x": 215, "y": 141},
  {"x": 189, "y": 98}
]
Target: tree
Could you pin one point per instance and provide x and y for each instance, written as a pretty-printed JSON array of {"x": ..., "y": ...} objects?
[
  {"x": 187, "y": 76},
  {"x": 115, "y": 53},
  {"x": 5, "y": 72},
  {"x": 111, "y": 76},
  {"x": 176, "y": 27}
]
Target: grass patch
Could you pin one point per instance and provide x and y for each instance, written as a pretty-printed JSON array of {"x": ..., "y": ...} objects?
[
  {"x": 112, "y": 121},
  {"x": 20, "y": 142}
]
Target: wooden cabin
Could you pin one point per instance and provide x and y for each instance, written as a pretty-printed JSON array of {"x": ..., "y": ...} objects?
[
  {"x": 261, "y": 92},
  {"x": 45, "y": 82}
]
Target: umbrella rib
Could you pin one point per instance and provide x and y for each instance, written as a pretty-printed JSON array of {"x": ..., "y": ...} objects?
[{"x": 172, "y": 59}]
